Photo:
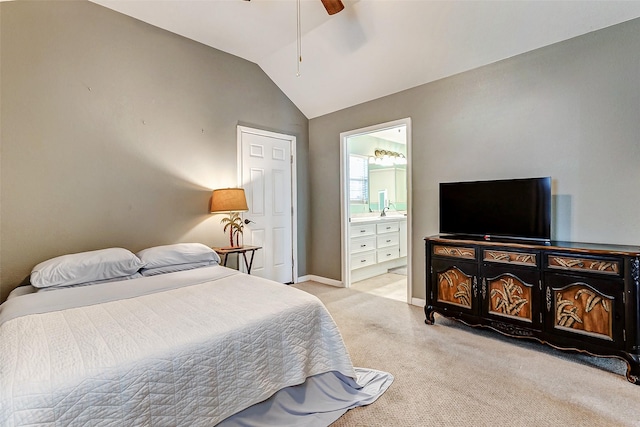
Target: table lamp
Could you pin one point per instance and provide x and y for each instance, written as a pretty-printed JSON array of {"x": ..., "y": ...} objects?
[{"x": 231, "y": 201}]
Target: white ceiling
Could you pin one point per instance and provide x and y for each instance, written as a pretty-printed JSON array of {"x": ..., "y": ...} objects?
[
  {"x": 373, "y": 48},
  {"x": 396, "y": 134}
]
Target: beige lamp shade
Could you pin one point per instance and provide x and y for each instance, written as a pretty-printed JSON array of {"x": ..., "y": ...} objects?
[{"x": 228, "y": 200}]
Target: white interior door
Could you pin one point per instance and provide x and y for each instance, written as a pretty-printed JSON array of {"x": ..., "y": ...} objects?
[{"x": 266, "y": 172}]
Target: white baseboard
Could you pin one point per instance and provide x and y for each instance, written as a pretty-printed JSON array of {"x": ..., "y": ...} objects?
[{"x": 319, "y": 279}]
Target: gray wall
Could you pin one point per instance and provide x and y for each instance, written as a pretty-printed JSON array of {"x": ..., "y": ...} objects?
[
  {"x": 114, "y": 132},
  {"x": 570, "y": 111}
]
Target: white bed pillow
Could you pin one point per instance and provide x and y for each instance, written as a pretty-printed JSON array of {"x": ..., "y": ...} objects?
[
  {"x": 135, "y": 275},
  {"x": 176, "y": 267},
  {"x": 177, "y": 254},
  {"x": 83, "y": 267}
]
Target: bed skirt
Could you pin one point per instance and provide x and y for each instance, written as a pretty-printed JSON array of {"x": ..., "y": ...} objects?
[{"x": 318, "y": 402}]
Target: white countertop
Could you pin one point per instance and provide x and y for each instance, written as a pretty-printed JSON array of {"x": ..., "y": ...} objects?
[{"x": 378, "y": 218}]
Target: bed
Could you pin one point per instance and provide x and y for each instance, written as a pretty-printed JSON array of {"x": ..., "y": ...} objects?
[{"x": 182, "y": 344}]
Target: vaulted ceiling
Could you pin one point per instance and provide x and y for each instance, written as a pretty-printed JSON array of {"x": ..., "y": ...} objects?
[{"x": 372, "y": 48}]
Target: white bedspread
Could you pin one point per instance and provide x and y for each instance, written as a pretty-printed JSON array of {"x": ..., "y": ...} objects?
[{"x": 190, "y": 356}]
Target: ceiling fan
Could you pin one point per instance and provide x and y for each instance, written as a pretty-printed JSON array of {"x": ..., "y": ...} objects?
[{"x": 332, "y": 6}]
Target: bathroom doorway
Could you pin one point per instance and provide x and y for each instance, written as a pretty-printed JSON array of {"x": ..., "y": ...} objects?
[{"x": 376, "y": 208}]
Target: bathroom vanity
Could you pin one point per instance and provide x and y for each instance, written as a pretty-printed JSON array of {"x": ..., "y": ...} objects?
[{"x": 377, "y": 244}]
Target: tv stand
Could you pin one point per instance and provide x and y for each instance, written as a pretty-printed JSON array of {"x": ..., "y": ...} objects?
[
  {"x": 572, "y": 296},
  {"x": 497, "y": 239}
]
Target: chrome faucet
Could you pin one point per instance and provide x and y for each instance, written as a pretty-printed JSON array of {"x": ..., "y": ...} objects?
[{"x": 383, "y": 213}]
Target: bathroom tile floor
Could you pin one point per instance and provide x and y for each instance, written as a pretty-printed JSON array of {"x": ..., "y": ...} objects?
[{"x": 389, "y": 285}]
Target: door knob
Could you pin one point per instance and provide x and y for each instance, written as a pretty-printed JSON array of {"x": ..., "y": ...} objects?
[{"x": 247, "y": 221}]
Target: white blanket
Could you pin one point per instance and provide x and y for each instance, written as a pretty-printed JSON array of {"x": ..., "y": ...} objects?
[{"x": 217, "y": 343}]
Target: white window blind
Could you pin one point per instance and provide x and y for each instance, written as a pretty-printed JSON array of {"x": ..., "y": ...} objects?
[{"x": 358, "y": 178}]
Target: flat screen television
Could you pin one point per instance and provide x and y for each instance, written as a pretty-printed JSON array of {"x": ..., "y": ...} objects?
[{"x": 500, "y": 209}]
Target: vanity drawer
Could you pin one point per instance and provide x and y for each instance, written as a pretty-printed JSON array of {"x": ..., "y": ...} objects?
[
  {"x": 388, "y": 239},
  {"x": 363, "y": 259},
  {"x": 388, "y": 227},
  {"x": 361, "y": 244},
  {"x": 358, "y": 230},
  {"x": 387, "y": 254}
]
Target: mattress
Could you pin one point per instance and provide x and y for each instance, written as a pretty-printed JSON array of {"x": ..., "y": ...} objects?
[{"x": 180, "y": 349}]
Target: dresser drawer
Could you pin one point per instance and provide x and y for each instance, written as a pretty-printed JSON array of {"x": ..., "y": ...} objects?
[
  {"x": 358, "y": 230},
  {"x": 606, "y": 266},
  {"x": 363, "y": 259},
  {"x": 361, "y": 244},
  {"x": 527, "y": 259},
  {"x": 388, "y": 239},
  {"x": 387, "y": 254},
  {"x": 388, "y": 227},
  {"x": 454, "y": 251}
]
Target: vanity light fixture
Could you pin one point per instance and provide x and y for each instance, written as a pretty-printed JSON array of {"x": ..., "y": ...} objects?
[{"x": 387, "y": 158}]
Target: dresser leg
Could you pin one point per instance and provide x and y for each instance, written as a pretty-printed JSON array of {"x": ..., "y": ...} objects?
[
  {"x": 633, "y": 368},
  {"x": 429, "y": 313}
]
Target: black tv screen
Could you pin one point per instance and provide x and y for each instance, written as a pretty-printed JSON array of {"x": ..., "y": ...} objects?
[{"x": 512, "y": 208}]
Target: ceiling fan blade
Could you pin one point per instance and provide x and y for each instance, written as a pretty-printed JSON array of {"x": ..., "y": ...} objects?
[{"x": 333, "y": 6}]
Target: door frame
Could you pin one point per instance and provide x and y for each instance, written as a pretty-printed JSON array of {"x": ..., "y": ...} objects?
[
  {"x": 294, "y": 208},
  {"x": 344, "y": 200}
]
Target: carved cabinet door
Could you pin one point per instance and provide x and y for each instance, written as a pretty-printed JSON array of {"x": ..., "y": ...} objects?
[
  {"x": 583, "y": 307},
  {"x": 454, "y": 286},
  {"x": 512, "y": 295}
]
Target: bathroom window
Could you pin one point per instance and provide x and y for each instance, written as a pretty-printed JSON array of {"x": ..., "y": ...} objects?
[{"x": 358, "y": 178}]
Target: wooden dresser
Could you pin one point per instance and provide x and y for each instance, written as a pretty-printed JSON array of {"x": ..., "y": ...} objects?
[{"x": 572, "y": 296}]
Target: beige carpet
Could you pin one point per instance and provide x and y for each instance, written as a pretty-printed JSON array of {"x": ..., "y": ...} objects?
[{"x": 449, "y": 374}]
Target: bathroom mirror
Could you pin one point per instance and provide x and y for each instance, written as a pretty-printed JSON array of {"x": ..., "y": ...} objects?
[
  {"x": 390, "y": 181},
  {"x": 377, "y": 165}
]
